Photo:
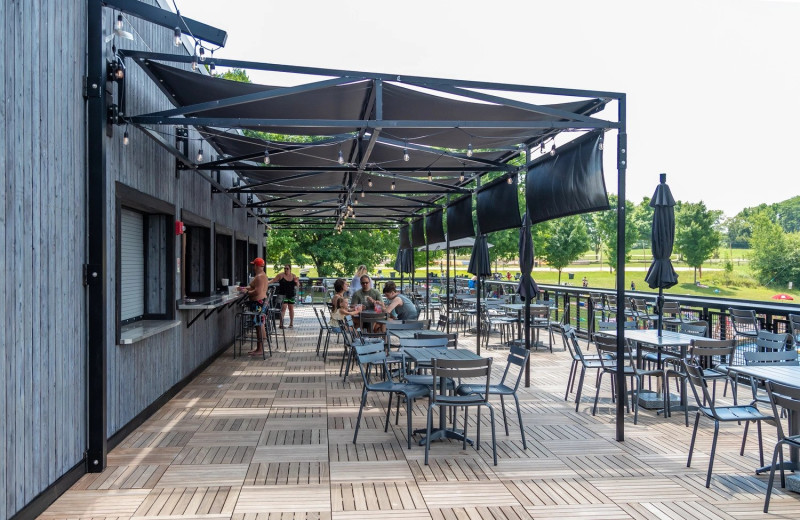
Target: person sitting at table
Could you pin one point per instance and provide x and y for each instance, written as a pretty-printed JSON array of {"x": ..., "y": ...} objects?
[
  {"x": 340, "y": 306},
  {"x": 400, "y": 306},
  {"x": 366, "y": 295}
]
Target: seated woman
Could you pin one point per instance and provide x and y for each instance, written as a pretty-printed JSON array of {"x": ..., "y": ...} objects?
[{"x": 340, "y": 305}]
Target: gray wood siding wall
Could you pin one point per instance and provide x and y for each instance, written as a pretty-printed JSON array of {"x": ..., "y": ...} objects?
[
  {"x": 140, "y": 373},
  {"x": 42, "y": 304},
  {"x": 42, "y": 234}
]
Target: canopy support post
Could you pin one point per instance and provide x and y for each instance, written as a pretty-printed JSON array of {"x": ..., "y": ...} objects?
[{"x": 622, "y": 165}]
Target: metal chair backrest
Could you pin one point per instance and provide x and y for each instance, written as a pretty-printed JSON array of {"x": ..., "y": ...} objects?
[
  {"x": 771, "y": 341},
  {"x": 672, "y": 309},
  {"x": 694, "y": 373},
  {"x": 744, "y": 321},
  {"x": 369, "y": 355},
  {"x": 695, "y": 328},
  {"x": 426, "y": 324},
  {"x": 399, "y": 325},
  {"x": 452, "y": 338},
  {"x": 518, "y": 356},
  {"x": 784, "y": 357},
  {"x": 456, "y": 369},
  {"x": 424, "y": 343},
  {"x": 320, "y": 320},
  {"x": 607, "y": 351},
  {"x": 783, "y": 397},
  {"x": 711, "y": 352},
  {"x": 794, "y": 328}
]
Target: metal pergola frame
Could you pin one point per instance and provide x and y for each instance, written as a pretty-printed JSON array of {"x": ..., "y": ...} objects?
[{"x": 275, "y": 204}]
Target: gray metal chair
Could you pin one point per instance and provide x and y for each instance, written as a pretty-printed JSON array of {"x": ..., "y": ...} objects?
[
  {"x": 370, "y": 356},
  {"x": 672, "y": 316},
  {"x": 462, "y": 369},
  {"x": 788, "y": 398},
  {"x": 772, "y": 341},
  {"x": 516, "y": 357},
  {"x": 452, "y": 338},
  {"x": 744, "y": 323},
  {"x": 706, "y": 407},
  {"x": 794, "y": 329}
]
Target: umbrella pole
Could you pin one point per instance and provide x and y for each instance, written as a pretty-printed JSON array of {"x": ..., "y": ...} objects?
[
  {"x": 478, "y": 314},
  {"x": 660, "y": 303},
  {"x": 528, "y": 340},
  {"x": 428, "y": 312},
  {"x": 413, "y": 274},
  {"x": 447, "y": 300}
]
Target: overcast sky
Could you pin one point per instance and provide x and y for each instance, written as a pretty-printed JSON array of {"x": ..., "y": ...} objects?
[{"x": 712, "y": 85}]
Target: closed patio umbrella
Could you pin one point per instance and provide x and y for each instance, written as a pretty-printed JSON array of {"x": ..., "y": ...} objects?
[
  {"x": 480, "y": 266},
  {"x": 527, "y": 288},
  {"x": 661, "y": 274}
]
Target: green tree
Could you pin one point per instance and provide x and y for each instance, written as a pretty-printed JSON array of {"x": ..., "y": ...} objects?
[
  {"x": 594, "y": 235},
  {"x": 606, "y": 222},
  {"x": 642, "y": 219},
  {"x": 775, "y": 255},
  {"x": 566, "y": 243},
  {"x": 696, "y": 236},
  {"x": 788, "y": 214}
]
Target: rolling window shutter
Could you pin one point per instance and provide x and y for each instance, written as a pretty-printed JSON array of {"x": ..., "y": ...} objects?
[{"x": 131, "y": 265}]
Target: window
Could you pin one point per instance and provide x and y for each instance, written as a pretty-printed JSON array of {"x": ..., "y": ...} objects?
[
  {"x": 197, "y": 261},
  {"x": 223, "y": 261},
  {"x": 242, "y": 261},
  {"x": 145, "y": 265}
]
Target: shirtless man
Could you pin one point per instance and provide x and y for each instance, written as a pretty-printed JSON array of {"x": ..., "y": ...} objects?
[{"x": 257, "y": 293}]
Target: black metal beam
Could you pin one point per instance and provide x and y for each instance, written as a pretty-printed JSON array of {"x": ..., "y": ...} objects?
[
  {"x": 215, "y": 165},
  {"x": 355, "y": 75},
  {"x": 265, "y": 124},
  {"x": 96, "y": 270},
  {"x": 371, "y": 191},
  {"x": 168, "y": 19},
  {"x": 622, "y": 165}
]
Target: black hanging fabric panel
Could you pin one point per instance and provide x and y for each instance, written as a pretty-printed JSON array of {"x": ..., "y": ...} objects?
[
  {"x": 418, "y": 233},
  {"x": 498, "y": 207},
  {"x": 569, "y": 183},
  {"x": 404, "y": 242},
  {"x": 459, "y": 219},
  {"x": 433, "y": 227}
]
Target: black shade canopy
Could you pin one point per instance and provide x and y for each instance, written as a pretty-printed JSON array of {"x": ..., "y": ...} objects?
[
  {"x": 459, "y": 219},
  {"x": 433, "y": 227},
  {"x": 418, "y": 233},
  {"x": 497, "y": 205},
  {"x": 397, "y": 144},
  {"x": 405, "y": 243},
  {"x": 479, "y": 264},
  {"x": 569, "y": 183}
]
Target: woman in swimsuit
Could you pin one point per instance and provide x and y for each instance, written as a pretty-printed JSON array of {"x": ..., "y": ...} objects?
[{"x": 287, "y": 286}]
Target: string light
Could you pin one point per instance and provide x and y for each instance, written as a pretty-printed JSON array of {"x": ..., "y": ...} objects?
[
  {"x": 393, "y": 185},
  {"x": 125, "y": 139},
  {"x": 266, "y": 156},
  {"x": 341, "y": 157},
  {"x": 369, "y": 182},
  {"x": 362, "y": 193},
  {"x": 430, "y": 177},
  {"x": 469, "y": 150},
  {"x": 177, "y": 33},
  {"x": 202, "y": 54},
  {"x": 200, "y": 155},
  {"x": 509, "y": 180},
  {"x": 406, "y": 157},
  {"x": 461, "y": 177},
  {"x": 118, "y": 26},
  {"x": 553, "y": 149},
  {"x": 212, "y": 68},
  {"x": 194, "y": 61}
]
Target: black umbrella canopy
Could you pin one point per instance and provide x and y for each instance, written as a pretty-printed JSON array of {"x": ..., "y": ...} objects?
[
  {"x": 405, "y": 261},
  {"x": 527, "y": 288},
  {"x": 661, "y": 274},
  {"x": 479, "y": 264}
]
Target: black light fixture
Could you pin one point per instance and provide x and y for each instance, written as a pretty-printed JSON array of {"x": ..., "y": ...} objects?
[
  {"x": 202, "y": 53},
  {"x": 212, "y": 68}
]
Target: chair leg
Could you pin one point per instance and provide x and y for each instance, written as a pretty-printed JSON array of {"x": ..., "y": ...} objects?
[
  {"x": 494, "y": 436},
  {"x": 694, "y": 436},
  {"x": 408, "y": 419},
  {"x": 635, "y": 398},
  {"x": 521, "y": 427},
  {"x": 713, "y": 452},
  {"x": 388, "y": 413},
  {"x": 466, "y": 422},
  {"x": 360, "y": 411},
  {"x": 428, "y": 431},
  {"x": 778, "y": 449},
  {"x": 505, "y": 420},
  {"x": 571, "y": 378},
  {"x": 580, "y": 388},
  {"x": 597, "y": 393}
]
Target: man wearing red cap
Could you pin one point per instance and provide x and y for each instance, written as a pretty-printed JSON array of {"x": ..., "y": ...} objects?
[{"x": 257, "y": 292}]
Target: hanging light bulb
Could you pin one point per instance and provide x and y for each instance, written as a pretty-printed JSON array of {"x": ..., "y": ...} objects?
[
  {"x": 194, "y": 61},
  {"x": 406, "y": 157},
  {"x": 469, "y": 150},
  {"x": 461, "y": 177},
  {"x": 369, "y": 182},
  {"x": 266, "y": 156},
  {"x": 510, "y": 181},
  {"x": 125, "y": 139},
  {"x": 177, "y": 33},
  {"x": 600, "y": 144},
  {"x": 430, "y": 177},
  {"x": 212, "y": 68},
  {"x": 362, "y": 193},
  {"x": 200, "y": 155},
  {"x": 202, "y": 54},
  {"x": 119, "y": 72},
  {"x": 118, "y": 25},
  {"x": 341, "y": 158},
  {"x": 355, "y": 201},
  {"x": 393, "y": 186},
  {"x": 553, "y": 149}
]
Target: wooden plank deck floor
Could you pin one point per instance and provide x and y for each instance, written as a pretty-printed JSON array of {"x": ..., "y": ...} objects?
[{"x": 255, "y": 439}]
